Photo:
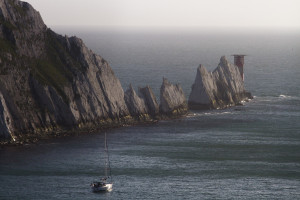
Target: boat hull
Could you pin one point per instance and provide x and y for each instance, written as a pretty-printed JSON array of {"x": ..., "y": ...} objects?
[{"x": 103, "y": 188}]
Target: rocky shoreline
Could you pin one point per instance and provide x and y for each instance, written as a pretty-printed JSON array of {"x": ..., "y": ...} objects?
[
  {"x": 53, "y": 85},
  {"x": 36, "y": 138}
]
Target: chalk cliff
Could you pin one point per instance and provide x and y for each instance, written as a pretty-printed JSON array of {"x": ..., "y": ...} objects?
[
  {"x": 150, "y": 100},
  {"x": 136, "y": 103},
  {"x": 172, "y": 99},
  {"x": 218, "y": 89},
  {"x": 51, "y": 83},
  {"x": 143, "y": 106}
]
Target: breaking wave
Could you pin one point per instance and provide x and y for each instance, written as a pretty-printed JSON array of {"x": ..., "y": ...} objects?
[
  {"x": 281, "y": 97},
  {"x": 284, "y": 96},
  {"x": 215, "y": 112}
]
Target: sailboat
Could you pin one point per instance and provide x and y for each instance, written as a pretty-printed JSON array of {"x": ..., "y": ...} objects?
[{"x": 105, "y": 184}]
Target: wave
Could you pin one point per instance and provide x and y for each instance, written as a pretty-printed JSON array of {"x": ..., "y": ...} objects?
[
  {"x": 284, "y": 96},
  {"x": 215, "y": 112},
  {"x": 281, "y": 97}
]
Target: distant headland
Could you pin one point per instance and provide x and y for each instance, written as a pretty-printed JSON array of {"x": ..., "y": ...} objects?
[{"x": 53, "y": 85}]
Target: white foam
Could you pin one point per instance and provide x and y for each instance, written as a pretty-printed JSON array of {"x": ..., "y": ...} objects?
[
  {"x": 284, "y": 96},
  {"x": 278, "y": 98},
  {"x": 193, "y": 115}
]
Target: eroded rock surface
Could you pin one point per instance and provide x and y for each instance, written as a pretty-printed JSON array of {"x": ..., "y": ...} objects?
[
  {"x": 172, "y": 98},
  {"x": 150, "y": 100},
  {"x": 218, "y": 89},
  {"x": 136, "y": 104},
  {"x": 50, "y": 83}
]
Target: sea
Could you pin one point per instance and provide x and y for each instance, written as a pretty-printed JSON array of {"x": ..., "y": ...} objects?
[{"x": 244, "y": 152}]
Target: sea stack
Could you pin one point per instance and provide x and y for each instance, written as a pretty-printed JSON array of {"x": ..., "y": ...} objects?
[
  {"x": 136, "y": 104},
  {"x": 172, "y": 99},
  {"x": 150, "y": 100},
  {"x": 221, "y": 88},
  {"x": 52, "y": 85}
]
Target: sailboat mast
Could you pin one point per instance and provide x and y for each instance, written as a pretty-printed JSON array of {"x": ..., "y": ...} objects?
[
  {"x": 107, "y": 162},
  {"x": 106, "y": 154}
]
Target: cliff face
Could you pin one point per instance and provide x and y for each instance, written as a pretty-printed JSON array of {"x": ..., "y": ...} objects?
[
  {"x": 50, "y": 83},
  {"x": 218, "y": 89},
  {"x": 23, "y": 27}
]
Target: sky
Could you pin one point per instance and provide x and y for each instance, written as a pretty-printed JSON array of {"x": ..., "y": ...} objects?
[{"x": 278, "y": 14}]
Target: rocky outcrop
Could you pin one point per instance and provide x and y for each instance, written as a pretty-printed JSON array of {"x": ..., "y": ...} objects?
[
  {"x": 50, "y": 83},
  {"x": 6, "y": 128},
  {"x": 172, "y": 99},
  {"x": 143, "y": 106},
  {"x": 150, "y": 100},
  {"x": 23, "y": 27},
  {"x": 136, "y": 104},
  {"x": 218, "y": 89}
]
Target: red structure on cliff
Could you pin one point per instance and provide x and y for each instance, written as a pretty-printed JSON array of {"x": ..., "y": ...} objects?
[{"x": 239, "y": 61}]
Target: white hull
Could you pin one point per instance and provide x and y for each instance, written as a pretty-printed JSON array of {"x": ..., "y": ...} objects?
[
  {"x": 102, "y": 188},
  {"x": 105, "y": 184}
]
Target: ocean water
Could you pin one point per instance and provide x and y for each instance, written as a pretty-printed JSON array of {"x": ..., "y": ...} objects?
[{"x": 244, "y": 152}]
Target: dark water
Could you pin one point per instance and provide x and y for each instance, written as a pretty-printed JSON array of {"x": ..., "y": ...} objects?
[{"x": 245, "y": 152}]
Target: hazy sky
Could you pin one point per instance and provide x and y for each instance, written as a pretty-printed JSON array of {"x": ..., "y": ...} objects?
[{"x": 173, "y": 13}]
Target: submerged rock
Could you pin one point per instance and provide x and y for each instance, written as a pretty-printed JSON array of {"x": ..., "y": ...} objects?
[{"x": 218, "y": 89}]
